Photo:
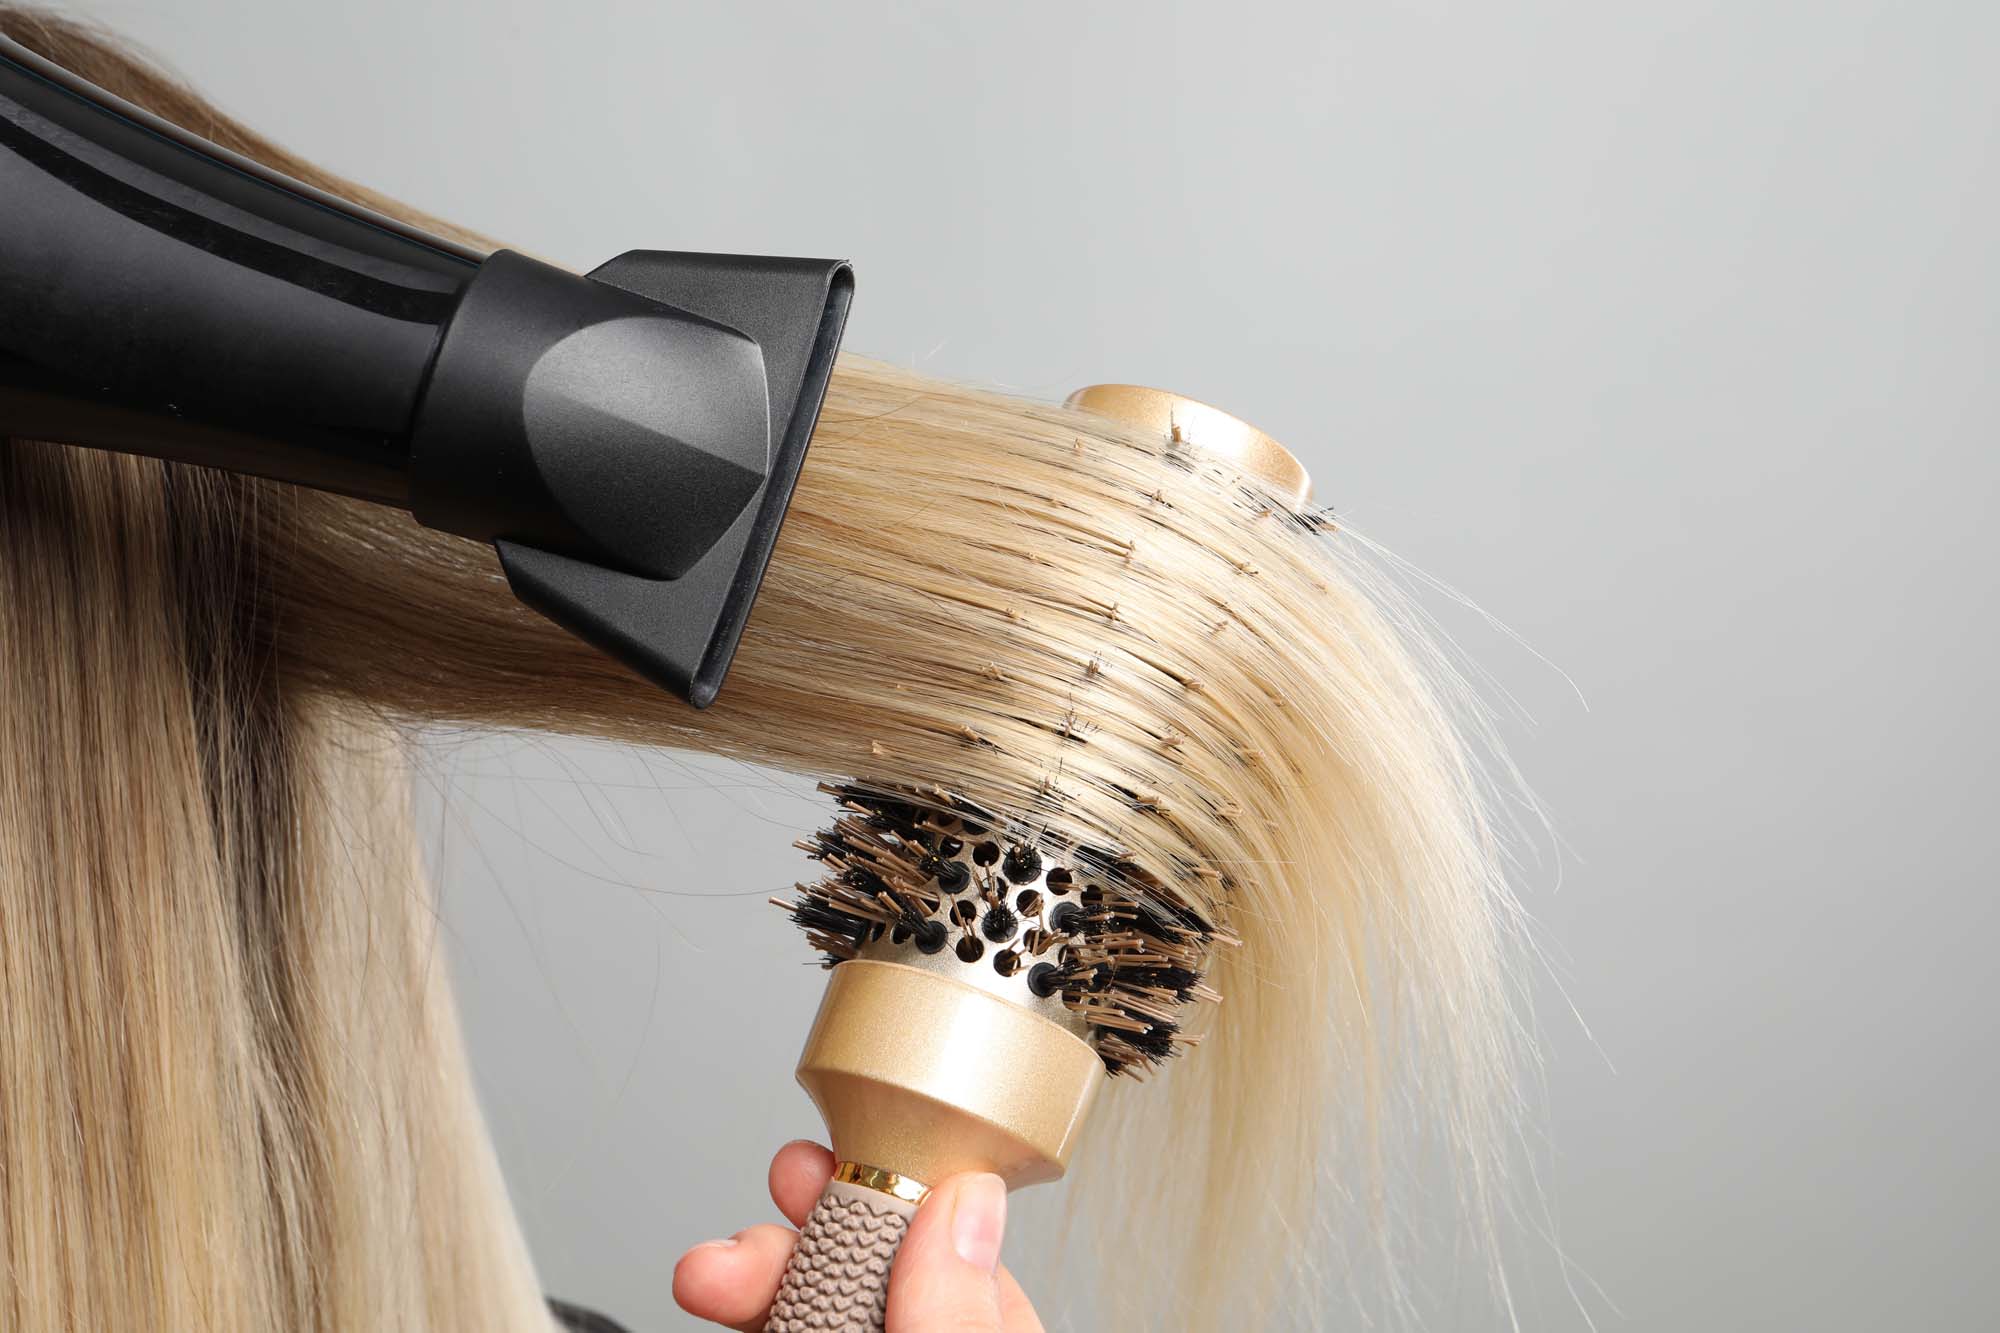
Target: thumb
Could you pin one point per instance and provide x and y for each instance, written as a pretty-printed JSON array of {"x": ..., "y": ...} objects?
[{"x": 943, "y": 1278}]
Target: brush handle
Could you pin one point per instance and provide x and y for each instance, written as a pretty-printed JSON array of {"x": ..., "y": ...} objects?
[{"x": 838, "y": 1279}]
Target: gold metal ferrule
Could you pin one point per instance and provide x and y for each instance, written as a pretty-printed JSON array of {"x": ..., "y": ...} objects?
[
  {"x": 923, "y": 1076},
  {"x": 1196, "y": 425},
  {"x": 881, "y": 1181}
]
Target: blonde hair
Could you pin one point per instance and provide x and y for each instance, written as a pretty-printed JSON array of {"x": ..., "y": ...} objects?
[{"x": 232, "y": 1088}]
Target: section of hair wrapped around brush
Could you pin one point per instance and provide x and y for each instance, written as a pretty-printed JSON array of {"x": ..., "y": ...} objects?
[
  {"x": 1110, "y": 644},
  {"x": 1119, "y": 648}
]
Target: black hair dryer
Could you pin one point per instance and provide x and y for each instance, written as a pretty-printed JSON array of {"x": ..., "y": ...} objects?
[{"x": 628, "y": 441}]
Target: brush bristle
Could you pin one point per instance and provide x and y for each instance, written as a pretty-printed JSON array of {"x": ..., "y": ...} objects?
[{"x": 927, "y": 868}]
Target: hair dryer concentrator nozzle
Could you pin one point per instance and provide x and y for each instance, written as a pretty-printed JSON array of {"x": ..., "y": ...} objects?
[{"x": 712, "y": 401}]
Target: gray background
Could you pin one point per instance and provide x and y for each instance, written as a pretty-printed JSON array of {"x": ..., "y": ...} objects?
[{"x": 1661, "y": 331}]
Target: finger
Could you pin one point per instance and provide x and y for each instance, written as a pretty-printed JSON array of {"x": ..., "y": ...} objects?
[
  {"x": 732, "y": 1282},
  {"x": 798, "y": 1176},
  {"x": 944, "y": 1276},
  {"x": 1016, "y": 1315}
]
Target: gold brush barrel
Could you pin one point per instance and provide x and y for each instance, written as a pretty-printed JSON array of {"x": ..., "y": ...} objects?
[{"x": 926, "y": 1076}]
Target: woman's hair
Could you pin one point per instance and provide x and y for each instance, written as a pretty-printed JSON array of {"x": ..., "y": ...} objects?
[{"x": 232, "y": 1093}]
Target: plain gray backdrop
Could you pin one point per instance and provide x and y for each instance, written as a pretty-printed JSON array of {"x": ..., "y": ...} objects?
[{"x": 1663, "y": 332}]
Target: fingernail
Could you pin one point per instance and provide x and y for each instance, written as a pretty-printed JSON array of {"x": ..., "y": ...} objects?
[
  {"x": 978, "y": 1218},
  {"x": 727, "y": 1243}
]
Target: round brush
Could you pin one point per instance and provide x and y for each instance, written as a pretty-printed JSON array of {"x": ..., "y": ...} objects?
[{"x": 984, "y": 980}]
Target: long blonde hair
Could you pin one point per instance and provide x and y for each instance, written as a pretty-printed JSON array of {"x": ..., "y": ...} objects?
[{"x": 233, "y": 1095}]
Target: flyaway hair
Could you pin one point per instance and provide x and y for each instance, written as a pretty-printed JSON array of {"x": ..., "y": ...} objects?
[{"x": 232, "y": 1093}]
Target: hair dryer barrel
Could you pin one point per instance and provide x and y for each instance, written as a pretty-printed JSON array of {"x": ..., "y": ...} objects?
[
  {"x": 159, "y": 300},
  {"x": 628, "y": 440}
]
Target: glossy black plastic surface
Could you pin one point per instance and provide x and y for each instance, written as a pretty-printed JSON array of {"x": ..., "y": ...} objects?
[
  {"x": 161, "y": 300},
  {"x": 628, "y": 441}
]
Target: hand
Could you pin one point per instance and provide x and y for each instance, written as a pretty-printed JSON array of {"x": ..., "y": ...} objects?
[{"x": 946, "y": 1279}]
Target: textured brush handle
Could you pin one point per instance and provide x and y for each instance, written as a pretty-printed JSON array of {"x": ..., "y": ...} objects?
[{"x": 838, "y": 1280}]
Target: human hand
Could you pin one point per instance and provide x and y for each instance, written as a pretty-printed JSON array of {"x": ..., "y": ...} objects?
[{"x": 946, "y": 1278}]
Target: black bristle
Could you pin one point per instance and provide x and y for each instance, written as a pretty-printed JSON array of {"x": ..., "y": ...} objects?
[
  {"x": 1181, "y": 981},
  {"x": 1156, "y": 1041},
  {"x": 817, "y": 914},
  {"x": 1021, "y": 865},
  {"x": 865, "y": 880},
  {"x": 932, "y": 936},
  {"x": 953, "y": 876},
  {"x": 903, "y": 813},
  {"x": 1000, "y": 924}
]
